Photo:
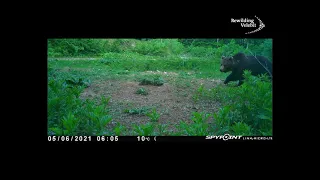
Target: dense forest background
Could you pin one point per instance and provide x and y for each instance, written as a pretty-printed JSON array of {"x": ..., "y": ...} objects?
[{"x": 159, "y": 47}]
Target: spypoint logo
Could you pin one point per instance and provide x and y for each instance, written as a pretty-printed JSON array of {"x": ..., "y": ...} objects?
[
  {"x": 245, "y": 22},
  {"x": 224, "y": 137}
]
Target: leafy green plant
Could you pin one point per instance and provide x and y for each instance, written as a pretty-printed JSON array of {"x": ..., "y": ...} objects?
[
  {"x": 153, "y": 115},
  {"x": 77, "y": 82},
  {"x": 162, "y": 129},
  {"x": 105, "y": 100},
  {"x": 240, "y": 129},
  {"x": 98, "y": 117},
  {"x": 155, "y": 80},
  {"x": 221, "y": 118},
  {"x": 70, "y": 123},
  {"x": 199, "y": 93},
  {"x": 142, "y": 91},
  {"x": 199, "y": 127},
  {"x": 119, "y": 129},
  {"x": 56, "y": 131},
  {"x": 144, "y": 130}
]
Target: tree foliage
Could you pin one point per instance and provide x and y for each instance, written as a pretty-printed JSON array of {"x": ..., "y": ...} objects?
[{"x": 159, "y": 47}]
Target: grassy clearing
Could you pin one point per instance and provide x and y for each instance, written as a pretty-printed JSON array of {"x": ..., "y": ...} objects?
[{"x": 128, "y": 93}]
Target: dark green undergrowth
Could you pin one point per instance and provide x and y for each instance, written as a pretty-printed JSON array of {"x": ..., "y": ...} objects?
[{"x": 247, "y": 109}]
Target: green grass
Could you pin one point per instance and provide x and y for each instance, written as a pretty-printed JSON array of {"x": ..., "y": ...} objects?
[{"x": 245, "y": 110}]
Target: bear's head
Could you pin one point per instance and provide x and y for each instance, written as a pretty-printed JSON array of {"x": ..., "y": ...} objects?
[{"x": 228, "y": 63}]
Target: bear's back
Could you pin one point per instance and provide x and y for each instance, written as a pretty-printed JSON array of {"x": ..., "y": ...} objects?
[{"x": 256, "y": 64}]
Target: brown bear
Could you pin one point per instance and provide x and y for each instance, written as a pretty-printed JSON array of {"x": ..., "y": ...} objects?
[{"x": 238, "y": 63}]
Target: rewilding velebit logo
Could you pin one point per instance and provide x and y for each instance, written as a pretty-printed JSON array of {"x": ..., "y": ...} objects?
[{"x": 245, "y": 22}]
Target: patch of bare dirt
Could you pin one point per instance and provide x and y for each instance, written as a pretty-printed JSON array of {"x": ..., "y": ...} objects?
[
  {"x": 209, "y": 83},
  {"x": 174, "y": 104},
  {"x": 164, "y": 73}
]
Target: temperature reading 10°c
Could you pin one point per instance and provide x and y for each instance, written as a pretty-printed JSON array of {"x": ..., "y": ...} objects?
[{"x": 142, "y": 138}]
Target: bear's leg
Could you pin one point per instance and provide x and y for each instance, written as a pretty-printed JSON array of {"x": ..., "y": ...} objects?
[
  {"x": 240, "y": 82},
  {"x": 228, "y": 79},
  {"x": 231, "y": 77}
]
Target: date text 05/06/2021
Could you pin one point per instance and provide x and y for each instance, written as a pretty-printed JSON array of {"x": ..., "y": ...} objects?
[{"x": 83, "y": 138}]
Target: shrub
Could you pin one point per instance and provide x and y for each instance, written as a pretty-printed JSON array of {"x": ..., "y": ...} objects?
[
  {"x": 69, "y": 115},
  {"x": 249, "y": 107}
]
